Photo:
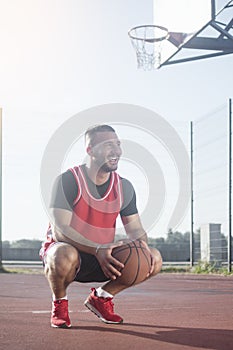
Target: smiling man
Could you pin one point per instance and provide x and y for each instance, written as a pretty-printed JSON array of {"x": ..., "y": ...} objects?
[{"x": 86, "y": 201}]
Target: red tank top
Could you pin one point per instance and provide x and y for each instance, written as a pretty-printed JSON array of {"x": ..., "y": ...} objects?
[{"x": 95, "y": 218}]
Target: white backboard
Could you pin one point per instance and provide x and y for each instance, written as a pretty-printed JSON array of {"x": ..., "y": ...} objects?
[{"x": 186, "y": 16}]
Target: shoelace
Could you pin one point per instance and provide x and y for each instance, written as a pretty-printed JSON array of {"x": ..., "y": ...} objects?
[
  {"x": 59, "y": 309},
  {"x": 109, "y": 304}
]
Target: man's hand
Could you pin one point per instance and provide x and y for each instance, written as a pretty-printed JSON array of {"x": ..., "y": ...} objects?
[
  {"x": 111, "y": 267},
  {"x": 152, "y": 258}
]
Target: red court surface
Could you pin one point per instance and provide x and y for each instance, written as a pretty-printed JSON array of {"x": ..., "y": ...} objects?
[{"x": 169, "y": 312}]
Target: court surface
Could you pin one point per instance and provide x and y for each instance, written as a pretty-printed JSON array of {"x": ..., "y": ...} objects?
[{"x": 171, "y": 311}]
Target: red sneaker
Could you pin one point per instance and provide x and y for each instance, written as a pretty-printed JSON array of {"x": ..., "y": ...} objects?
[
  {"x": 60, "y": 315},
  {"x": 102, "y": 307}
]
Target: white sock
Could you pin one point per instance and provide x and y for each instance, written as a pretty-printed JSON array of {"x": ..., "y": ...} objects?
[
  {"x": 101, "y": 293},
  {"x": 64, "y": 298}
]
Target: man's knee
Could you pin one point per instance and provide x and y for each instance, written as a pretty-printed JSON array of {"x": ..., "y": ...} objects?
[{"x": 61, "y": 258}]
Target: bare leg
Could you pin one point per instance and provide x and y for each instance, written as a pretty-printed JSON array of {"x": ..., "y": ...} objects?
[
  {"x": 62, "y": 262},
  {"x": 113, "y": 287}
]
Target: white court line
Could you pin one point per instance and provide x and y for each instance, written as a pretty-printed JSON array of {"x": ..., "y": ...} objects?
[
  {"x": 85, "y": 311},
  {"x": 38, "y": 311},
  {"x": 46, "y": 312}
]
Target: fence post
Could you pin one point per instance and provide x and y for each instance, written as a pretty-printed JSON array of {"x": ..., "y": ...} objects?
[
  {"x": 230, "y": 187},
  {"x": 1, "y": 267},
  {"x": 191, "y": 174}
]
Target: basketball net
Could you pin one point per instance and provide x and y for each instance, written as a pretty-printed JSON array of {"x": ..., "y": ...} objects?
[{"x": 147, "y": 42}]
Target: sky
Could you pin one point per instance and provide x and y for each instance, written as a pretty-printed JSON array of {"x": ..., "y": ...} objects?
[{"x": 60, "y": 58}]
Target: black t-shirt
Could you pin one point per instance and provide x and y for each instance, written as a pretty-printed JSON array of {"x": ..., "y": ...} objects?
[{"x": 65, "y": 191}]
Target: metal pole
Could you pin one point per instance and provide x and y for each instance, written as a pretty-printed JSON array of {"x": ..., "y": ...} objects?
[
  {"x": 191, "y": 175},
  {"x": 1, "y": 268},
  {"x": 230, "y": 187},
  {"x": 213, "y": 10}
]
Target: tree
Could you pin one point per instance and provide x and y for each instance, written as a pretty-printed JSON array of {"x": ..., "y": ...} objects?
[
  {"x": 6, "y": 244},
  {"x": 26, "y": 243}
]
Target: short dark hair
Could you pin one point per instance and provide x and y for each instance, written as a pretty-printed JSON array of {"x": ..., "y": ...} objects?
[{"x": 90, "y": 132}]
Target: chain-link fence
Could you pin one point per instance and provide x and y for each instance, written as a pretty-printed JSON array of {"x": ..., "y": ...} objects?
[{"x": 211, "y": 152}]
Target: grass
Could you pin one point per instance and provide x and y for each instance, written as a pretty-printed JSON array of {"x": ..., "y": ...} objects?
[
  {"x": 174, "y": 269},
  {"x": 201, "y": 267},
  {"x": 204, "y": 267},
  {"x": 22, "y": 270}
]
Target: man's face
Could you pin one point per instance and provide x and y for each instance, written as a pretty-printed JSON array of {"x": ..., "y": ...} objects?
[{"x": 105, "y": 150}]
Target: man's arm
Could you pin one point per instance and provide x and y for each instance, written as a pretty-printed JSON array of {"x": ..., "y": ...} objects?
[
  {"x": 63, "y": 232},
  {"x": 135, "y": 230}
]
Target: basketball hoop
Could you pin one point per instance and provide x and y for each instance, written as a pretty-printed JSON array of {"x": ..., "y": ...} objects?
[{"x": 147, "y": 40}]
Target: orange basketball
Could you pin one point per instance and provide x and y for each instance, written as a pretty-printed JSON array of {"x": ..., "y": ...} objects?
[{"x": 136, "y": 259}]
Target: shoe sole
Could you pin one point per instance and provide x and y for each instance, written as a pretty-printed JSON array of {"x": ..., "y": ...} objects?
[
  {"x": 96, "y": 312},
  {"x": 64, "y": 325}
]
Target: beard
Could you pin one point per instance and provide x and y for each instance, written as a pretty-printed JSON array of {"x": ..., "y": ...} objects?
[
  {"x": 106, "y": 163},
  {"x": 108, "y": 167}
]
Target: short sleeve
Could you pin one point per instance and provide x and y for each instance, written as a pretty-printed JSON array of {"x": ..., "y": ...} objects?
[
  {"x": 129, "y": 206},
  {"x": 64, "y": 191}
]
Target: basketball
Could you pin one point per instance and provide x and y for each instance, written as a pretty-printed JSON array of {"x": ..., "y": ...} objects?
[{"x": 136, "y": 259}]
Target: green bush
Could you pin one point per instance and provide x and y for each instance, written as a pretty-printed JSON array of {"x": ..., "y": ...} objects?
[{"x": 206, "y": 267}]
